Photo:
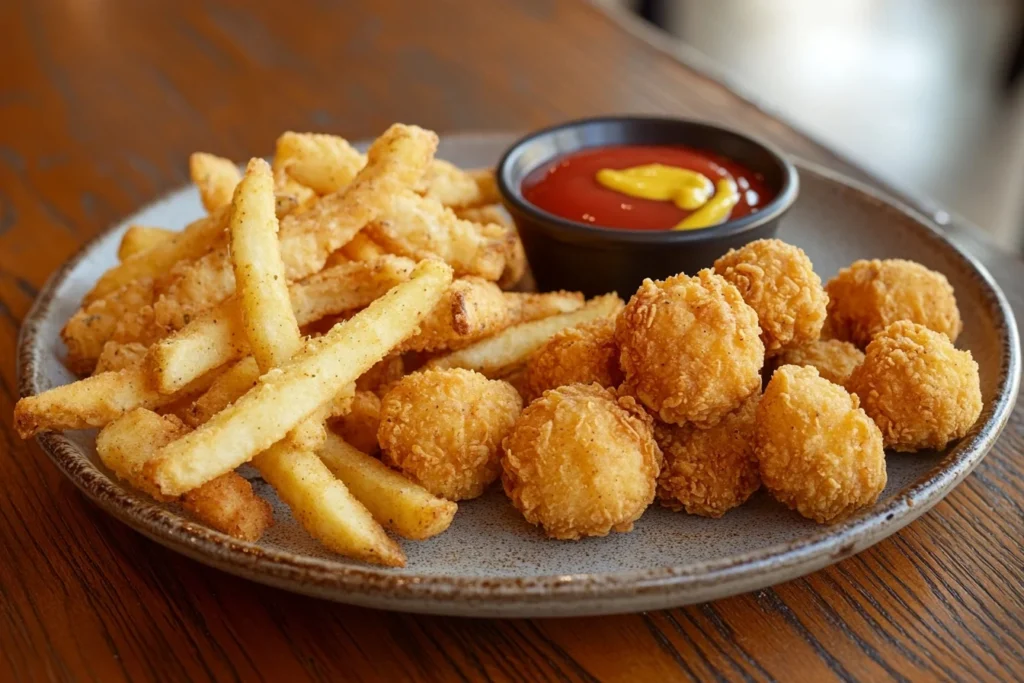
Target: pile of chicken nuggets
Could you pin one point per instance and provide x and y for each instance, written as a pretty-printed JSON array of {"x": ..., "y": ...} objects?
[{"x": 345, "y": 323}]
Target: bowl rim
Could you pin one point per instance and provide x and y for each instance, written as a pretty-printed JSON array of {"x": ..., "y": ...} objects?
[
  {"x": 513, "y": 197},
  {"x": 608, "y": 592}
]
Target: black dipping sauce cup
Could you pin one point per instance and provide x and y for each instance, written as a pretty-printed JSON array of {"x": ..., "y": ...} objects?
[{"x": 566, "y": 254}]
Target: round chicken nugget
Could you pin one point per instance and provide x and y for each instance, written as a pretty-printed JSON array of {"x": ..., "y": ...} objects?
[
  {"x": 835, "y": 360},
  {"x": 920, "y": 390},
  {"x": 819, "y": 453},
  {"x": 443, "y": 428},
  {"x": 581, "y": 462},
  {"x": 708, "y": 472},
  {"x": 577, "y": 355},
  {"x": 779, "y": 283},
  {"x": 869, "y": 295},
  {"x": 690, "y": 348}
]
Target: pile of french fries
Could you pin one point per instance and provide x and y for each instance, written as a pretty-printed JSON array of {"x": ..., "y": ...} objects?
[{"x": 311, "y": 283}]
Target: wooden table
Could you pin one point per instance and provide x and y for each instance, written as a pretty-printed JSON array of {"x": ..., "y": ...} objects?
[{"x": 100, "y": 104}]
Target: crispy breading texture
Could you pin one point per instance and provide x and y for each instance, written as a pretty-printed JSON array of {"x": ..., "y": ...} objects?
[
  {"x": 690, "y": 348},
  {"x": 450, "y": 185},
  {"x": 324, "y": 163},
  {"x": 138, "y": 238},
  {"x": 835, "y": 360},
  {"x": 581, "y": 462},
  {"x": 819, "y": 452},
  {"x": 398, "y": 504},
  {"x": 216, "y": 178},
  {"x": 869, "y": 295},
  {"x": 118, "y": 356},
  {"x": 583, "y": 354},
  {"x": 286, "y": 396},
  {"x": 443, "y": 428},
  {"x": 919, "y": 389},
  {"x": 228, "y": 504},
  {"x": 360, "y": 424},
  {"x": 87, "y": 331},
  {"x": 778, "y": 281},
  {"x": 710, "y": 471}
]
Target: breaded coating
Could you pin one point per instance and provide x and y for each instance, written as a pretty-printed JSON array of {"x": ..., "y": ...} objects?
[
  {"x": 583, "y": 354},
  {"x": 581, "y": 462},
  {"x": 819, "y": 452},
  {"x": 869, "y": 295},
  {"x": 920, "y": 390},
  {"x": 778, "y": 281},
  {"x": 360, "y": 424},
  {"x": 229, "y": 504},
  {"x": 835, "y": 360},
  {"x": 379, "y": 378},
  {"x": 443, "y": 428},
  {"x": 708, "y": 472},
  {"x": 690, "y": 348}
]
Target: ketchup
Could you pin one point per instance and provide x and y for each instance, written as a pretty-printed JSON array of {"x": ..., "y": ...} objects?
[{"x": 568, "y": 186}]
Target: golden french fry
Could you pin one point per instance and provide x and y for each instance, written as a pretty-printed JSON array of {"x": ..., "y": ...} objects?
[
  {"x": 527, "y": 306},
  {"x": 456, "y": 188},
  {"x": 420, "y": 227},
  {"x": 262, "y": 291},
  {"x": 284, "y": 397},
  {"x": 471, "y": 309},
  {"x": 96, "y": 401},
  {"x": 190, "y": 243},
  {"x": 138, "y": 238},
  {"x": 215, "y": 177},
  {"x": 225, "y": 390},
  {"x": 325, "y": 507},
  {"x": 218, "y": 336},
  {"x": 227, "y": 503},
  {"x": 501, "y": 353},
  {"x": 324, "y": 163},
  {"x": 400, "y": 505},
  {"x": 489, "y": 214},
  {"x": 362, "y": 248}
]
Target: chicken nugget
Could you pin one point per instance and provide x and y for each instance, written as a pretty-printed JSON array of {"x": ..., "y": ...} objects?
[
  {"x": 443, "y": 428},
  {"x": 835, "y": 360},
  {"x": 869, "y": 295},
  {"x": 778, "y": 281},
  {"x": 710, "y": 471},
  {"x": 818, "y": 451},
  {"x": 690, "y": 348},
  {"x": 919, "y": 389},
  {"x": 582, "y": 354},
  {"x": 581, "y": 462}
]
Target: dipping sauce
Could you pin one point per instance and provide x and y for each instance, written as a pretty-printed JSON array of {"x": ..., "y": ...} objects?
[{"x": 637, "y": 187}]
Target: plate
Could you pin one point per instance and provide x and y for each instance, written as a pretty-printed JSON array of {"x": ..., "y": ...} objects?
[{"x": 491, "y": 562}]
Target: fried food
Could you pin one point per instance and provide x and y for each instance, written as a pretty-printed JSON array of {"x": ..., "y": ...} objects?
[
  {"x": 379, "y": 378},
  {"x": 359, "y": 425},
  {"x": 583, "y": 354},
  {"x": 87, "y": 331},
  {"x": 118, "y": 356},
  {"x": 778, "y": 281},
  {"x": 398, "y": 504},
  {"x": 139, "y": 238},
  {"x": 690, "y": 348},
  {"x": 710, "y": 471},
  {"x": 229, "y": 505},
  {"x": 443, "y": 428},
  {"x": 323, "y": 163},
  {"x": 471, "y": 309},
  {"x": 581, "y": 462},
  {"x": 870, "y": 295},
  {"x": 919, "y": 389},
  {"x": 819, "y": 452},
  {"x": 283, "y": 398},
  {"x": 450, "y": 185},
  {"x": 835, "y": 360},
  {"x": 500, "y": 354},
  {"x": 215, "y": 177}
]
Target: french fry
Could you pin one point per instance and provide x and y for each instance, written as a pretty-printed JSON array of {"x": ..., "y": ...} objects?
[
  {"x": 218, "y": 336},
  {"x": 227, "y": 503},
  {"x": 527, "y": 306},
  {"x": 395, "y": 160},
  {"x": 325, "y": 507},
  {"x": 189, "y": 244},
  {"x": 456, "y": 188},
  {"x": 362, "y": 248},
  {"x": 504, "y": 351},
  {"x": 324, "y": 163},
  {"x": 420, "y": 227},
  {"x": 398, "y": 504},
  {"x": 225, "y": 390},
  {"x": 138, "y": 238},
  {"x": 472, "y": 308},
  {"x": 284, "y": 397},
  {"x": 96, "y": 401},
  {"x": 215, "y": 177}
]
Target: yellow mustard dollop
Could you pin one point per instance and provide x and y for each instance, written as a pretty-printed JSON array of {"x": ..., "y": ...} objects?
[{"x": 711, "y": 203}]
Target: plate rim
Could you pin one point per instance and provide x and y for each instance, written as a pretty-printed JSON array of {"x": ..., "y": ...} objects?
[{"x": 370, "y": 585}]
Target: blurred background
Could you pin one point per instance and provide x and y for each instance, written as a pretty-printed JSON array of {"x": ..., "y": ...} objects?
[{"x": 926, "y": 94}]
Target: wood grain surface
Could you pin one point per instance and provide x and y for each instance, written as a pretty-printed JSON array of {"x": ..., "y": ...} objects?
[{"x": 100, "y": 104}]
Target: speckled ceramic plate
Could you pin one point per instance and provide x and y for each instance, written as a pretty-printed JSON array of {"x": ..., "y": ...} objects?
[{"x": 490, "y": 562}]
